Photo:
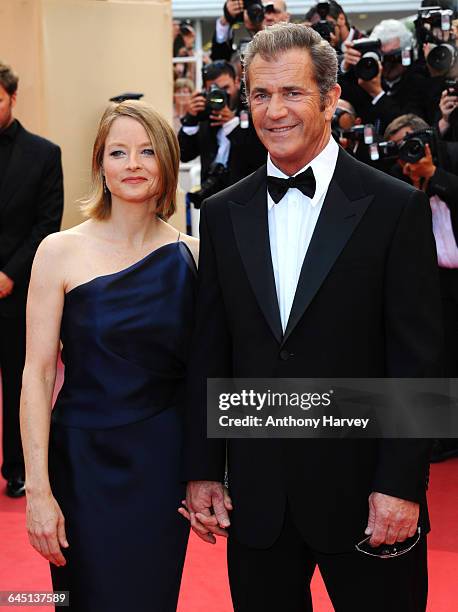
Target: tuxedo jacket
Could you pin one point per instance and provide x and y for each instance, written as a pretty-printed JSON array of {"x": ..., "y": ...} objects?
[
  {"x": 367, "y": 305},
  {"x": 31, "y": 205}
]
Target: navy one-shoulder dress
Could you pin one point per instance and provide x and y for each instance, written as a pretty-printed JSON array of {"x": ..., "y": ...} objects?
[{"x": 116, "y": 433}]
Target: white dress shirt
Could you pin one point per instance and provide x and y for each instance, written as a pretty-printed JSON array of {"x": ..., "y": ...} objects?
[
  {"x": 291, "y": 225},
  {"x": 224, "y": 144}
]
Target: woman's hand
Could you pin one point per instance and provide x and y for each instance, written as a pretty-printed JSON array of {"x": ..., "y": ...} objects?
[{"x": 46, "y": 527}]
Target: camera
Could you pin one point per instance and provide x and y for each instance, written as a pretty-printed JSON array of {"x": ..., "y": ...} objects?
[
  {"x": 212, "y": 184},
  {"x": 255, "y": 11},
  {"x": 185, "y": 27},
  {"x": 215, "y": 100},
  {"x": 451, "y": 85},
  {"x": 433, "y": 25},
  {"x": 368, "y": 66},
  {"x": 411, "y": 149},
  {"x": 323, "y": 27}
]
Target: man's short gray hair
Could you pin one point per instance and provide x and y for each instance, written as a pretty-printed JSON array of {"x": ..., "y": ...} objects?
[
  {"x": 281, "y": 37},
  {"x": 410, "y": 120},
  {"x": 389, "y": 29}
]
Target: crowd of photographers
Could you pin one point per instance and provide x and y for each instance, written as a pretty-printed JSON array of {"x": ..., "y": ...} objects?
[{"x": 397, "y": 112}]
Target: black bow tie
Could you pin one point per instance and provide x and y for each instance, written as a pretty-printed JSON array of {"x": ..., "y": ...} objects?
[{"x": 305, "y": 181}]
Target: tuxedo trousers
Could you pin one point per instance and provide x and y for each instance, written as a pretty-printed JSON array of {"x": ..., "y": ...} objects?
[
  {"x": 12, "y": 358},
  {"x": 277, "y": 579}
]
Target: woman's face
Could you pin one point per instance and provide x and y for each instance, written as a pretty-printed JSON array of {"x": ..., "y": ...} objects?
[{"x": 129, "y": 162}]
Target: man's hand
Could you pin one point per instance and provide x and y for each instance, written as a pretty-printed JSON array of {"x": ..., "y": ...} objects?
[
  {"x": 374, "y": 86},
  {"x": 219, "y": 118},
  {"x": 206, "y": 507},
  {"x": 391, "y": 519},
  {"x": 447, "y": 105},
  {"x": 234, "y": 7},
  {"x": 197, "y": 104},
  {"x": 350, "y": 56},
  {"x": 6, "y": 285},
  {"x": 423, "y": 169}
]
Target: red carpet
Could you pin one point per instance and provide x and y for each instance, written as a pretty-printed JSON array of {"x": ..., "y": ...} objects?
[{"x": 205, "y": 587}]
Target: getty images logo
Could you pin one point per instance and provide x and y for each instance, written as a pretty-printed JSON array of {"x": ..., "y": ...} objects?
[{"x": 271, "y": 399}]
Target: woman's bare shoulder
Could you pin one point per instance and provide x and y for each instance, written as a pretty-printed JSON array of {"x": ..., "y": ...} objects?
[
  {"x": 61, "y": 243},
  {"x": 58, "y": 251},
  {"x": 193, "y": 244}
]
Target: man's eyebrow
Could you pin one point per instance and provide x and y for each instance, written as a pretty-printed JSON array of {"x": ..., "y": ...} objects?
[{"x": 284, "y": 88}]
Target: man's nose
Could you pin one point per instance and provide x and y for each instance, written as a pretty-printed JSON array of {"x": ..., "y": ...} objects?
[{"x": 277, "y": 108}]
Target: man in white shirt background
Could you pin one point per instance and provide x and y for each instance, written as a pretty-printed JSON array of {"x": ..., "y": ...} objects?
[{"x": 224, "y": 138}]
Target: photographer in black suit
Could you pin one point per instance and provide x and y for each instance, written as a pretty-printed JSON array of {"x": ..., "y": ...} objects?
[
  {"x": 393, "y": 89},
  {"x": 436, "y": 173},
  {"x": 218, "y": 128},
  {"x": 316, "y": 265},
  {"x": 31, "y": 204},
  {"x": 255, "y": 15}
]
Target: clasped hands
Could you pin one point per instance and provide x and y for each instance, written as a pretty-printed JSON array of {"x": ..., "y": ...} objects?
[{"x": 207, "y": 506}]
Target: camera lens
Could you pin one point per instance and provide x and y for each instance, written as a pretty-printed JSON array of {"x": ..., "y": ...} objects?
[
  {"x": 441, "y": 57},
  {"x": 412, "y": 150},
  {"x": 367, "y": 68},
  {"x": 216, "y": 98}
]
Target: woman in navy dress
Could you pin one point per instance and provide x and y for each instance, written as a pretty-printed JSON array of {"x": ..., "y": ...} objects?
[{"x": 102, "y": 469}]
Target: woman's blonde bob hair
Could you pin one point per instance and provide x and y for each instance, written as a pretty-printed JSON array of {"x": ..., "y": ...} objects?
[{"x": 97, "y": 205}]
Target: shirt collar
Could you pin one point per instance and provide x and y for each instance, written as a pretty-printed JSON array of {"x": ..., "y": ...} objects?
[
  {"x": 10, "y": 132},
  {"x": 323, "y": 166}
]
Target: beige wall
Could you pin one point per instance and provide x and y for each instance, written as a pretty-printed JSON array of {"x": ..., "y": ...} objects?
[{"x": 72, "y": 56}]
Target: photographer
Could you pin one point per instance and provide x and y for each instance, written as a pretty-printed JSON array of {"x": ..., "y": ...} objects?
[
  {"x": 218, "y": 129},
  {"x": 448, "y": 122},
  {"x": 392, "y": 86},
  {"x": 337, "y": 29},
  {"x": 437, "y": 57},
  {"x": 436, "y": 174},
  {"x": 255, "y": 15}
]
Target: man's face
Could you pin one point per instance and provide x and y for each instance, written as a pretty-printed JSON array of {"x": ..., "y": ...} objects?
[
  {"x": 7, "y": 103},
  {"x": 392, "y": 70},
  {"x": 277, "y": 14},
  {"x": 341, "y": 30},
  {"x": 286, "y": 109},
  {"x": 226, "y": 82}
]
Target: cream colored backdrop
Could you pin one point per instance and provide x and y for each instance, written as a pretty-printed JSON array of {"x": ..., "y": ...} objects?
[{"x": 71, "y": 57}]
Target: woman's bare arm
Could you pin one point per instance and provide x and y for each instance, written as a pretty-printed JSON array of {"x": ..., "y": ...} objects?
[{"x": 45, "y": 522}]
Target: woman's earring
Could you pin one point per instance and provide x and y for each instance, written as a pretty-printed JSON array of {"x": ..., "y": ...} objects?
[{"x": 105, "y": 188}]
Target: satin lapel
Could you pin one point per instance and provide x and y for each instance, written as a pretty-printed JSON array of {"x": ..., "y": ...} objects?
[
  {"x": 14, "y": 172},
  {"x": 338, "y": 219},
  {"x": 251, "y": 229}
]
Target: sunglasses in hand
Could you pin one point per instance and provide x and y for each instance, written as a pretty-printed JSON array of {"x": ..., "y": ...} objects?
[{"x": 388, "y": 551}]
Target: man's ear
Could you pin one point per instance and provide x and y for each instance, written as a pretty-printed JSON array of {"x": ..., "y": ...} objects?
[
  {"x": 332, "y": 97},
  {"x": 13, "y": 99}
]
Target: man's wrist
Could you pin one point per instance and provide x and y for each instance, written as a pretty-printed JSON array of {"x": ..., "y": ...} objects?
[{"x": 378, "y": 96}]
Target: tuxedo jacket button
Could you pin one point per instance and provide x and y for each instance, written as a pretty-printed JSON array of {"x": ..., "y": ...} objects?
[{"x": 285, "y": 355}]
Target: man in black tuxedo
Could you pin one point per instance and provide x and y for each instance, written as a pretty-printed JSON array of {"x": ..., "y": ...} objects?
[
  {"x": 331, "y": 274},
  {"x": 31, "y": 204}
]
